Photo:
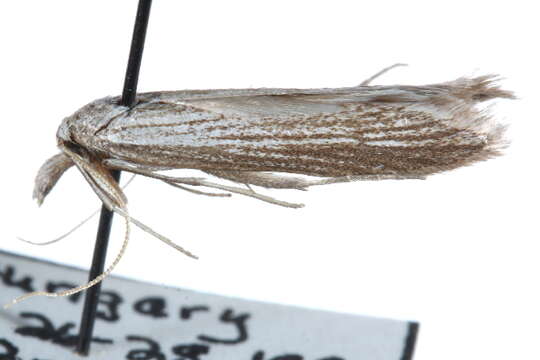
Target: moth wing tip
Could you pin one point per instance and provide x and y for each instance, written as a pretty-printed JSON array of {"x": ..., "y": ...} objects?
[{"x": 39, "y": 199}]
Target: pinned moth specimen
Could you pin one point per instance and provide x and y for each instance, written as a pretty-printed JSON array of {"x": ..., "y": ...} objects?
[{"x": 258, "y": 136}]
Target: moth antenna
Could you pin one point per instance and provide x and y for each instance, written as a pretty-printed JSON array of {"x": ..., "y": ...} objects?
[
  {"x": 150, "y": 231},
  {"x": 383, "y": 71},
  {"x": 61, "y": 236},
  {"x": 91, "y": 283},
  {"x": 74, "y": 228}
]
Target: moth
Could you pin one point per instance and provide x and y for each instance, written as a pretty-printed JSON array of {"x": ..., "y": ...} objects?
[{"x": 259, "y": 136}]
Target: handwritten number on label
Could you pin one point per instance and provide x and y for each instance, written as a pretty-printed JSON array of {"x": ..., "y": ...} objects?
[
  {"x": 196, "y": 352},
  {"x": 152, "y": 353},
  {"x": 48, "y": 332},
  {"x": 259, "y": 355},
  {"x": 7, "y": 279},
  {"x": 10, "y": 351},
  {"x": 190, "y": 351}
]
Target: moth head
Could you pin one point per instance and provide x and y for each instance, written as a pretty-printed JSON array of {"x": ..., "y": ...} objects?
[
  {"x": 82, "y": 126},
  {"x": 76, "y": 136}
]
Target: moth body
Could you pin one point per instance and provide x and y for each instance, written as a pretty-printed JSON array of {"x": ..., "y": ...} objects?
[{"x": 251, "y": 135}]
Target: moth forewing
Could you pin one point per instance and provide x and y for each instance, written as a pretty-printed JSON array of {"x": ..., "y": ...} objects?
[{"x": 360, "y": 131}]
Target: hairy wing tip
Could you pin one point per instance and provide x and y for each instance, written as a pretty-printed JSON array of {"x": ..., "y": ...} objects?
[
  {"x": 496, "y": 141},
  {"x": 481, "y": 88},
  {"x": 38, "y": 196}
]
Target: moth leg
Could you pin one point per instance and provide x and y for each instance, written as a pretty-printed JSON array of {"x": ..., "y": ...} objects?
[
  {"x": 272, "y": 181},
  {"x": 174, "y": 181},
  {"x": 149, "y": 171},
  {"x": 231, "y": 189},
  {"x": 263, "y": 179},
  {"x": 341, "y": 179},
  {"x": 128, "y": 165},
  {"x": 198, "y": 192},
  {"x": 383, "y": 71},
  {"x": 250, "y": 193}
]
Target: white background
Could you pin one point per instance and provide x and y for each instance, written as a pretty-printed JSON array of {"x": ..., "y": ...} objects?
[{"x": 457, "y": 252}]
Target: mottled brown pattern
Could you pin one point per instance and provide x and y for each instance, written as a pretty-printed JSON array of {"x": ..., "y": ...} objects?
[{"x": 332, "y": 159}]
